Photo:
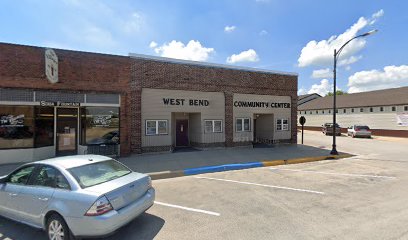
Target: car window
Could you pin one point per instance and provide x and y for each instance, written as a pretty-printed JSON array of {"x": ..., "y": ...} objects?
[
  {"x": 363, "y": 127},
  {"x": 21, "y": 176},
  {"x": 48, "y": 176},
  {"x": 99, "y": 172}
]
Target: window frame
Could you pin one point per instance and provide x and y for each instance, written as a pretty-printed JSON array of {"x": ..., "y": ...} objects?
[
  {"x": 157, "y": 127},
  {"x": 283, "y": 127},
  {"x": 213, "y": 125},
  {"x": 242, "y": 119}
]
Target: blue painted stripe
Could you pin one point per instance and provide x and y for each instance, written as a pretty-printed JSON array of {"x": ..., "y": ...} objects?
[{"x": 227, "y": 167}]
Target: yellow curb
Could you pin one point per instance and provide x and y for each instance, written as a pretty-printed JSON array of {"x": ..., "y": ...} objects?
[
  {"x": 319, "y": 158},
  {"x": 268, "y": 163},
  {"x": 166, "y": 174},
  {"x": 303, "y": 160}
]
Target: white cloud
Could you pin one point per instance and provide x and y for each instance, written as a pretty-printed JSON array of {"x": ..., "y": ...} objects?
[
  {"x": 302, "y": 91},
  {"x": 390, "y": 77},
  {"x": 320, "y": 53},
  {"x": 245, "y": 56},
  {"x": 229, "y": 29},
  {"x": 153, "y": 44},
  {"x": 133, "y": 23},
  {"x": 349, "y": 61},
  {"x": 321, "y": 73},
  {"x": 192, "y": 51},
  {"x": 263, "y": 33},
  {"x": 322, "y": 89},
  {"x": 376, "y": 15}
]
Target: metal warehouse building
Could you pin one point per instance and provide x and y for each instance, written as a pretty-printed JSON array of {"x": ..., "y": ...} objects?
[
  {"x": 57, "y": 102},
  {"x": 384, "y": 111}
]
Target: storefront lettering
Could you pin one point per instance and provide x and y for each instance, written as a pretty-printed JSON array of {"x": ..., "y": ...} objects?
[
  {"x": 181, "y": 102},
  {"x": 255, "y": 104},
  {"x": 61, "y": 104}
]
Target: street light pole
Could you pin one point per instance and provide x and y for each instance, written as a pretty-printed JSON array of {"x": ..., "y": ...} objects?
[{"x": 336, "y": 56}]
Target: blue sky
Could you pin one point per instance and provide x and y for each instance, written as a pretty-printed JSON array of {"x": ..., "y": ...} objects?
[{"x": 285, "y": 35}]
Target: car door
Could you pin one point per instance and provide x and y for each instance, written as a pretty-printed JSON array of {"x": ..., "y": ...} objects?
[
  {"x": 37, "y": 194},
  {"x": 10, "y": 198}
]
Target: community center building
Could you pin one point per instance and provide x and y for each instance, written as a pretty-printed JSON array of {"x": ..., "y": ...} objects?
[
  {"x": 57, "y": 102},
  {"x": 385, "y": 112}
]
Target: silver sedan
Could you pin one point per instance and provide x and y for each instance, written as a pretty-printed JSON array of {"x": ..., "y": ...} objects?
[{"x": 75, "y": 196}]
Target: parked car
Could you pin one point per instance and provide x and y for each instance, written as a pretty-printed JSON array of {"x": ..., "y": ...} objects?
[
  {"x": 359, "y": 131},
  {"x": 75, "y": 196},
  {"x": 108, "y": 138},
  {"x": 327, "y": 129}
]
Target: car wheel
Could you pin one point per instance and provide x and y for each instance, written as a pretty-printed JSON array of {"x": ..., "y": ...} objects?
[{"x": 57, "y": 229}]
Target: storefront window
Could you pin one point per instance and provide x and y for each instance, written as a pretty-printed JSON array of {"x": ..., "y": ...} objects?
[
  {"x": 156, "y": 127},
  {"x": 282, "y": 124},
  {"x": 44, "y": 126},
  {"x": 213, "y": 126},
  {"x": 100, "y": 125},
  {"x": 16, "y": 127},
  {"x": 243, "y": 125}
]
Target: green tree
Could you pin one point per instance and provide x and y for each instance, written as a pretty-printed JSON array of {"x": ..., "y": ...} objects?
[{"x": 338, "y": 92}]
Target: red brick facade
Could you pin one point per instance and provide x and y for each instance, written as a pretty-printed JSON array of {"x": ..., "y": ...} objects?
[
  {"x": 23, "y": 67},
  {"x": 148, "y": 73}
]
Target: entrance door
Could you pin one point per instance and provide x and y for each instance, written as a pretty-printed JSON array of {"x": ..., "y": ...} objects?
[
  {"x": 67, "y": 130},
  {"x": 181, "y": 132}
]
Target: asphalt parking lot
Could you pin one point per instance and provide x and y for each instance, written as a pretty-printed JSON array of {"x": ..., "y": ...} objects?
[{"x": 363, "y": 197}]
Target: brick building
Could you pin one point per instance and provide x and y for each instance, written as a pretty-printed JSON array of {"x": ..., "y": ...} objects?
[{"x": 109, "y": 104}]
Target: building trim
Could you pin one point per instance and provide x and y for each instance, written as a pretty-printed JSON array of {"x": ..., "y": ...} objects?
[{"x": 210, "y": 65}]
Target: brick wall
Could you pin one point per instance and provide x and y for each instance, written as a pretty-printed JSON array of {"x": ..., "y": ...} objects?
[
  {"x": 24, "y": 67},
  {"x": 148, "y": 73}
]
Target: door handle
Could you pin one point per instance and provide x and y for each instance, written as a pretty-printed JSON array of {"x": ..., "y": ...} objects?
[
  {"x": 13, "y": 194},
  {"x": 43, "y": 199}
]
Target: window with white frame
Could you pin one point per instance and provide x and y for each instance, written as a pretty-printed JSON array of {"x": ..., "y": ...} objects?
[
  {"x": 242, "y": 125},
  {"x": 156, "y": 127},
  {"x": 213, "y": 126},
  {"x": 282, "y": 124}
]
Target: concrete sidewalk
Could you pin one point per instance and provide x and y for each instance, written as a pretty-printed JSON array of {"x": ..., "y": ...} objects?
[
  {"x": 159, "y": 162},
  {"x": 178, "y": 161}
]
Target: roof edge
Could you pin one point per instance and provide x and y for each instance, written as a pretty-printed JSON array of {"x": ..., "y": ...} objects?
[{"x": 207, "y": 64}]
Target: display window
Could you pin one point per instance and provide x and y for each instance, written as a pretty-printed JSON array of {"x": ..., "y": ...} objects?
[
  {"x": 44, "y": 126},
  {"x": 100, "y": 125},
  {"x": 16, "y": 127}
]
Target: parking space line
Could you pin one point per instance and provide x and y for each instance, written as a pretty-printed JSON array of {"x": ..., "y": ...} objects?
[
  {"x": 187, "y": 208},
  {"x": 263, "y": 185},
  {"x": 337, "y": 174}
]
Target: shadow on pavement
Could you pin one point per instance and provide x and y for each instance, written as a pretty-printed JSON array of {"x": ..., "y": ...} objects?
[{"x": 145, "y": 227}]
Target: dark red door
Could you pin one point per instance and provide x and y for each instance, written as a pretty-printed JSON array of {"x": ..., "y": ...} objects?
[{"x": 181, "y": 132}]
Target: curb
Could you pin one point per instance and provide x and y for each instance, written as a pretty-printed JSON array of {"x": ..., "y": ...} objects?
[{"x": 239, "y": 166}]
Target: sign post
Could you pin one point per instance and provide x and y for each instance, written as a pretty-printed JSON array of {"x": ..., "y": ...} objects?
[{"x": 302, "y": 121}]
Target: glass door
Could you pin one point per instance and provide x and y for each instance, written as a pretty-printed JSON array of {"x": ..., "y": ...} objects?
[{"x": 67, "y": 130}]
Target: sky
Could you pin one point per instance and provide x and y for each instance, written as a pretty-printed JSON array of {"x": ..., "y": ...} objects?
[{"x": 297, "y": 36}]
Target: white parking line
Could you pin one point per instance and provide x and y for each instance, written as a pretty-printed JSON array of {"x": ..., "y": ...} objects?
[
  {"x": 187, "y": 208},
  {"x": 338, "y": 174},
  {"x": 263, "y": 185}
]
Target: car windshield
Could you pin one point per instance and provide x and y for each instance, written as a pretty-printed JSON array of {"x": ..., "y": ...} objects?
[{"x": 99, "y": 172}]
